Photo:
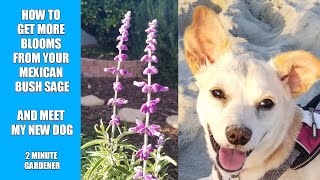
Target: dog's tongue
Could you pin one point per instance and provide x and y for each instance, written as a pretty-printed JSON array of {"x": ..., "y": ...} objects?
[{"x": 231, "y": 159}]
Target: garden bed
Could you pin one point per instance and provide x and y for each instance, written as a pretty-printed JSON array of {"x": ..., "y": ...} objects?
[{"x": 102, "y": 88}]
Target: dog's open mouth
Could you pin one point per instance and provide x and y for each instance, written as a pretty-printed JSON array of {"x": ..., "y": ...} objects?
[{"x": 228, "y": 159}]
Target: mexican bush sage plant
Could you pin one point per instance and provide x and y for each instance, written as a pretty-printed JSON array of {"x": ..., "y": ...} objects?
[
  {"x": 148, "y": 108},
  {"x": 121, "y": 57},
  {"x": 110, "y": 156}
]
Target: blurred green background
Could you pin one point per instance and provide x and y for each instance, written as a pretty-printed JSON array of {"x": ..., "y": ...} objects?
[{"x": 102, "y": 19}]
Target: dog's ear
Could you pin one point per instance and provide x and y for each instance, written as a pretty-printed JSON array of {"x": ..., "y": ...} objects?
[
  {"x": 299, "y": 70},
  {"x": 205, "y": 40}
]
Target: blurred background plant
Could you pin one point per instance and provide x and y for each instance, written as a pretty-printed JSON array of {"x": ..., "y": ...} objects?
[{"x": 101, "y": 18}]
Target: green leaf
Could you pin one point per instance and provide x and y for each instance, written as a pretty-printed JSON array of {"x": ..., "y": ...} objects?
[
  {"x": 93, "y": 142},
  {"x": 122, "y": 170},
  {"x": 123, "y": 135},
  {"x": 96, "y": 165},
  {"x": 167, "y": 158}
]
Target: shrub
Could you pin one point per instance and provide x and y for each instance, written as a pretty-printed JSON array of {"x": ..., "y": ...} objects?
[{"x": 101, "y": 19}]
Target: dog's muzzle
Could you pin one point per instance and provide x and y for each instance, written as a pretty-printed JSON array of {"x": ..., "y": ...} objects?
[{"x": 229, "y": 160}]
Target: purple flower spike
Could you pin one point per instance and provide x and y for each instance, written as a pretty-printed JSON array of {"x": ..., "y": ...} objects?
[
  {"x": 115, "y": 70},
  {"x": 153, "y": 23},
  {"x": 144, "y": 154},
  {"x": 125, "y": 25},
  {"x": 122, "y": 47},
  {"x": 117, "y": 86},
  {"x": 160, "y": 141},
  {"x": 138, "y": 174},
  {"x": 150, "y": 70},
  {"x": 123, "y": 31},
  {"x": 151, "y": 105},
  {"x": 118, "y": 102},
  {"x": 127, "y": 16},
  {"x": 149, "y": 30},
  {"x": 152, "y": 41},
  {"x": 140, "y": 128},
  {"x": 124, "y": 72},
  {"x": 115, "y": 120},
  {"x": 154, "y": 88},
  {"x": 150, "y": 177},
  {"x": 125, "y": 20},
  {"x": 150, "y": 47},
  {"x": 152, "y": 130},
  {"x": 121, "y": 101},
  {"x": 151, "y": 108},
  {"x": 112, "y": 70},
  {"x": 142, "y": 84},
  {"x": 120, "y": 57},
  {"x": 110, "y": 102},
  {"x": 158, "y": 88},
  {"x": 122, "y": 38},
  {"x": 145, "y": 58},
  {"x": 145, "y": 88},
  {"x": 115, "y": 102},
  {"x": 155, "y": 101},
  {"x": 154, "y": 59},
  {"x": 151, "y": 35}
]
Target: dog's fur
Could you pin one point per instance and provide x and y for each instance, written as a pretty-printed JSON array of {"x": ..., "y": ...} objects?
[{"x": 246, "y": 83}]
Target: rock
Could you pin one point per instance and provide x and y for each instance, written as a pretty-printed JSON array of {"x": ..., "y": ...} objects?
[
  {"x": 173, "y": 121},
  {"x": 87, "y": 39},
  {"x": 130, "y": 115},
  {"x": 91, "y": 100}
]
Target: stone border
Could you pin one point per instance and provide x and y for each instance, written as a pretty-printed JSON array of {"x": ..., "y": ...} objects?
[{"x": 95, "y": 67}]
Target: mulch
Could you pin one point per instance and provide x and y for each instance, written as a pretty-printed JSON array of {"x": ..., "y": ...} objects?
[{"x": 102, "y": 88}]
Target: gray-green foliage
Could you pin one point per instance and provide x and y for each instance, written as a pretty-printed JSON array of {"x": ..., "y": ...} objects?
[
  {"x": 107, "y": 158},
  {"x": 113, "y": 159}
]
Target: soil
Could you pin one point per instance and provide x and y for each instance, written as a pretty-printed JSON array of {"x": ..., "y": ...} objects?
[{"x": 102, "y": 88}]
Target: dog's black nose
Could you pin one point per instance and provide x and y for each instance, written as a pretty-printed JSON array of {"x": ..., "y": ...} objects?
[{"x": 238, "y": 135}]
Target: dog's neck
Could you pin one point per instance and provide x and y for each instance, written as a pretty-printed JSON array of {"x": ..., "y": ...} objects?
[{"x": 273, "y": 161}]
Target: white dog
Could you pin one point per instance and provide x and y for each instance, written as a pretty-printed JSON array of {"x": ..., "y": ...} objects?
[{"x": 246, "y": 107}]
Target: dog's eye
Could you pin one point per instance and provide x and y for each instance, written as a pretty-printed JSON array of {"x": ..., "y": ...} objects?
[
  {"x": 217, "y": 93},
  {"x": 266, "y": 104}
]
